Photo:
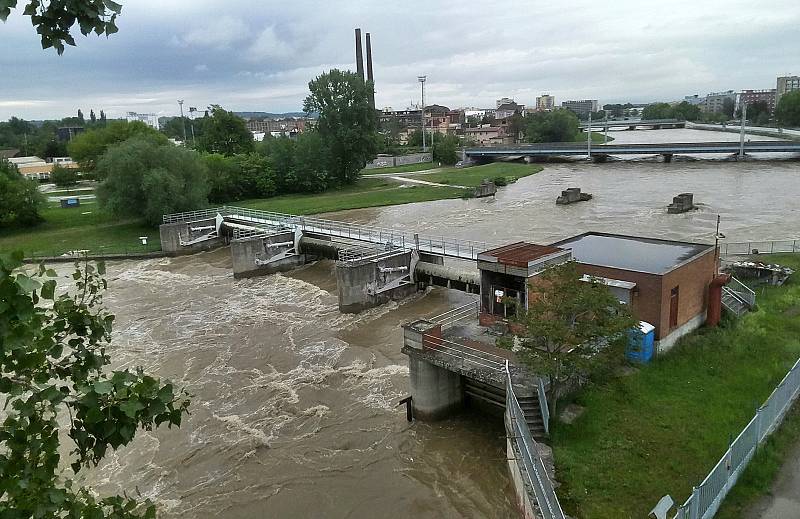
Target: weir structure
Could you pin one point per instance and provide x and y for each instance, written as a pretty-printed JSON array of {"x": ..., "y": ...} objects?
[{"x": 373, "y": 265}]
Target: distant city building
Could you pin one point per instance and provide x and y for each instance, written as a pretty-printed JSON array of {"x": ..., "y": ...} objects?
[
  {"x": 411, "y": 116},
  {"x": 757, "y": 96},
  {"x": 715, "y": 101},
  {"x": 487, "y": 134},
  {"x": 581, "y": 108},
  {"x": 67, "y": 133},
  {"x": 39, "y": 169},
  {"x": 503, "y": 101},
  {"x": 507, "y": 110},
  {"x": 694, "y": 100},
  {"x": 148, "y": 119},
  {"x": 278, "y": 127},
  {"x": 545, "y": 103},
  {"x": 786, "y": 84}
]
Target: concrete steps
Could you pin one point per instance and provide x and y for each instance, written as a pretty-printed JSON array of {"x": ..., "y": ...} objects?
[
  {"x": 496, "y": 397},
  {"x": 733, "y": 303}
]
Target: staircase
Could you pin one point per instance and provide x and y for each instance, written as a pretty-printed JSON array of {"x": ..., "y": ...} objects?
[
  {"x": 496, "y": 396},
  {"x": 737, "y": 298}
]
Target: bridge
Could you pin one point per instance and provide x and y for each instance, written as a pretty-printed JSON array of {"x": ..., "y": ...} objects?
[
  {"x": 601, "y": 150},
  {"x": 656, "y": 124}
]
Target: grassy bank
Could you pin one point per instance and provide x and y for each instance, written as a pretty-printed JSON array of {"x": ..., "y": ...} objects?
[
  {"x": 661, "y": 429},
  {"x": 71, "y": 229},
  {"x": 407, "y": 168}
]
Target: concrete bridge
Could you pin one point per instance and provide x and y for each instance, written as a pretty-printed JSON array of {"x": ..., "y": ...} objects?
[
  {"x": 373, "y": 265},
  {"x": 655, "y": 124},
  {"x": 601, "y": 151}
]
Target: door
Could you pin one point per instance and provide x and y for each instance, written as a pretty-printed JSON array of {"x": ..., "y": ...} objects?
[{"x": 673, "y": 307}]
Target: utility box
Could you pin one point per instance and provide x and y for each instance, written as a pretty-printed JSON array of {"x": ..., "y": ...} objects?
[
  {"x": 641, "y": 343},
  {"x": 70, "y": 202}
]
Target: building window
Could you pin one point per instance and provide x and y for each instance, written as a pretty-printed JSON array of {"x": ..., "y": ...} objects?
[{"x": 673, "y": 308}]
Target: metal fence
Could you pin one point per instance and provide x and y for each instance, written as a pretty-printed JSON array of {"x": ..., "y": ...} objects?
[
  {"x": 96, "y": 251},
  {"x": 744, "y": 248},
  {"x": 456, "y": 315},
  {"x": 707, "y": 497},
  {"x": 440, "y": 245},
  {"x": 532, "y": 469}
]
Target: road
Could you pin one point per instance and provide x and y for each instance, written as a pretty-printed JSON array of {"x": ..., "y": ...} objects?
[{"x": 783, "y": 502}]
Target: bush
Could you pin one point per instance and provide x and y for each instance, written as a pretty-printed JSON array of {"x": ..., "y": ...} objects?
[
  {"x": 20, "y": 198},
  {"x": 445, "y": 149},
  {"x": 144, "y": 177},
  {"x": 63, "y": 177},
  {"x": 500, "y": 181}
]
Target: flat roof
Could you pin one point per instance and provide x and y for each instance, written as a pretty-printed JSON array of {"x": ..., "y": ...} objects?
[
  {"x": 518, "y": 254},
  {"x": 634, "y": 253}
]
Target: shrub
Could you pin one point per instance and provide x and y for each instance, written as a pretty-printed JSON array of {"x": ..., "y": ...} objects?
[{"x": 63, "y": 177}]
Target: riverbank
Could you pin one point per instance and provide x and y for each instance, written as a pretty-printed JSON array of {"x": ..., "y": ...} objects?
[
  {"x": 762, "y": 131},
  {"x": 91, "y": 229},
  {"x": 661, "y": 429}
]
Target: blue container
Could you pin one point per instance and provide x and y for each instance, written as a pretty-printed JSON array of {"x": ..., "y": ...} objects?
[
  {"x": 70, "y": 202},
  {"x": 641, "y": 343}
]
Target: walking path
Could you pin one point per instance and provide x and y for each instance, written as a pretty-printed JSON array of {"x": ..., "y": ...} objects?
[
  {"x": 425, "y": 182},
  {"x": 783, "y": 502}
]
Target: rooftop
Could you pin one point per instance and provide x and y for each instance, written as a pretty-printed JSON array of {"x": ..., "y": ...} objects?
[
  {"x": 519, "y": 254},
  {"x": 648, "y": 255}
]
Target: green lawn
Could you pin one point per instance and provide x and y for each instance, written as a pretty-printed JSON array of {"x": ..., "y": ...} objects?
[
  {"x": 421, "y": 166},
  {"x": 660, "y": 430},
  {"x": 597, "y": 138},
  {"x": 69, "y": 229}
]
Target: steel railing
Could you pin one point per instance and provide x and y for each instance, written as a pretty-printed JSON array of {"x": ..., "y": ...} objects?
[
  {"x": 464, "y": 356},
  {"x": 439, "y": 245},
  {"x": 544, "y": 408},
  {"x": 534, "y": 473},
  {"x": 707, "y": 497},
  {"x": 742, "y": 291},
  {"x": 745, "y": 248},
  {"x": 458, "y": 314}
]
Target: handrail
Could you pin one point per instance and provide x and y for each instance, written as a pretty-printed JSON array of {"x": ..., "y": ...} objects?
[
  {"x": 746, "y": 248},
  {"x": 465, "y": 353},
  {"x": 457, "y": 314},
  {"x": 543, "y": 407},
  {"x": 743, "y": 291},
  {"x": 535, "y": 472}
]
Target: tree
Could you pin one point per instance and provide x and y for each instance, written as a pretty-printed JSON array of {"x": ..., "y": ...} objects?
[
  {"x": 20, "y": 201},
  {"x": 686, "y": 111},
  {"x": 516, "y": 124},
  {"x": 54, "y": 377},
  {"x": 559, "y": 125},
  {"x": 224, "y": 132},
  {"x": 92, "y": 117},
  {"x": 346, "y": 122},
  {"x": 657, "y": 111},
  {"x": 102, "y": 118},
  {"x": 788, "y": 109},
  {"x": 54, "y": 19},
  {"x": 445, "y": 150},
  {"x": 258, "y": 175},
  {"x": 87, "y": 147},
  {"x": 146, "y": 178},
  {"x": 224, "y": 179},
  {"x": 80, "y": 116},
  {"x": 571, "y": 328},
  {"x": 63, "y": 177},
  {"x": 727, "y": 107}
]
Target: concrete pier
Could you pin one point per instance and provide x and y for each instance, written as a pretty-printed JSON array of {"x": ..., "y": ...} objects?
[
  {"x": 682, "y": 203},
  {"x": 372, "y": 281},
  {"x": 572, "y": 195},
  {"x": 179, "y": 237},
  {"x": 261, "y": 255}
]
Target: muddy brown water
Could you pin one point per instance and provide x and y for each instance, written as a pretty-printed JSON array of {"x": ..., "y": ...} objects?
[{"x": 294, "y": 409}]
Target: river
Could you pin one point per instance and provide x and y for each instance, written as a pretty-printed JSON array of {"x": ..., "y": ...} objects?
[{"x": 294, "y": 409}]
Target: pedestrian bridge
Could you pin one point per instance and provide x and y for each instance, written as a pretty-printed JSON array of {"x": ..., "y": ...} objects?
[
  {"x": 655, "y": 124},
  {"x": 669, "y": 149}
]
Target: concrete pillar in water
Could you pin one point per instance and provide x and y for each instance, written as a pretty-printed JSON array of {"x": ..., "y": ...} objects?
[
  {"x": 173, "y": 235},
  {"x": 435, "y": 392},
  {"x": 367, "y": 283},
  {"x": 261, "y": 255}
]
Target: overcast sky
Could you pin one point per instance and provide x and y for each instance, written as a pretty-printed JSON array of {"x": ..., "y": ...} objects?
[{"x": 258, "y": 55}]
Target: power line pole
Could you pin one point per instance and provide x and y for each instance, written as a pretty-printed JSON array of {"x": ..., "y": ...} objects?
[
  {"x": 589, "y": 137},
  {"x": 422, "y": 82},
  {"x": 183, "y": 121}
]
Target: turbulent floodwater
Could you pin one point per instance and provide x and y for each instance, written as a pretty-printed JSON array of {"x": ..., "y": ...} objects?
[{"x": 294, "y": 410}]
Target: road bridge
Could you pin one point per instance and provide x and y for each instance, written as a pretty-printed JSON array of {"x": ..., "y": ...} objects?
[
  {"x": 604, "y": 150},
  {"x": 656, "y": 124}
]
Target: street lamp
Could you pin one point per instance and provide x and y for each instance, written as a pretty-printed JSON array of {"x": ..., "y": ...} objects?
[
  {"x": 192, "y": 112},
  {"x": 183, "y": 121},
  {"x": 422, "y": 82}
]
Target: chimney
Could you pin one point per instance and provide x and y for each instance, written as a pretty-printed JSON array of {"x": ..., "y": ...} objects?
[
  {"x": 369, "y": 72},
  {"x": 359, "y": 55}
]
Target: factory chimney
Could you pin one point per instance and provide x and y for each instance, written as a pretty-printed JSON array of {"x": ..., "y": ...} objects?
[
  {"x": 359, "y": 55},
  {"x": 369, "y": 72}
]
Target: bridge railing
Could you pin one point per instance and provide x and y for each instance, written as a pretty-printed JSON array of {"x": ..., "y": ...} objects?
[
  {"x": 200, "y": 214},
  {"x": 744, "y": 248},
  {"x": 463, "y": 356},
  {"x": 534, "y": 474}
]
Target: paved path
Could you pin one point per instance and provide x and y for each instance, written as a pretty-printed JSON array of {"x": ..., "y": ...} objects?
[
  {"x": 406, "y": 173},
  {"x": 425, "y": 182},
  {"x": 784, "y": 499}
]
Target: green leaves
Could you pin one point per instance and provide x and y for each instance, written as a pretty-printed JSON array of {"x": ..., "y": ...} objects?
[{"x": 52, "y": 364}]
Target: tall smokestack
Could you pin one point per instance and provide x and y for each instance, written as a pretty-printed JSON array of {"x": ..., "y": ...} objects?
[
  {"x": 359, "y": 55},
  {"x": 369, "y": 72}
]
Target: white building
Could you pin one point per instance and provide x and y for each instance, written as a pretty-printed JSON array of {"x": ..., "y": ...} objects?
[{"x": 148, "y": 119}]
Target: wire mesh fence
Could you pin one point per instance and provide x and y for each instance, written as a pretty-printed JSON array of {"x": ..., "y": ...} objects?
[{"x": 706, "y": 498}]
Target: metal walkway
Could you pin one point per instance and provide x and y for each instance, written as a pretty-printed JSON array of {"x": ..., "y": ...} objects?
[{"x": 389, "y": 238}]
